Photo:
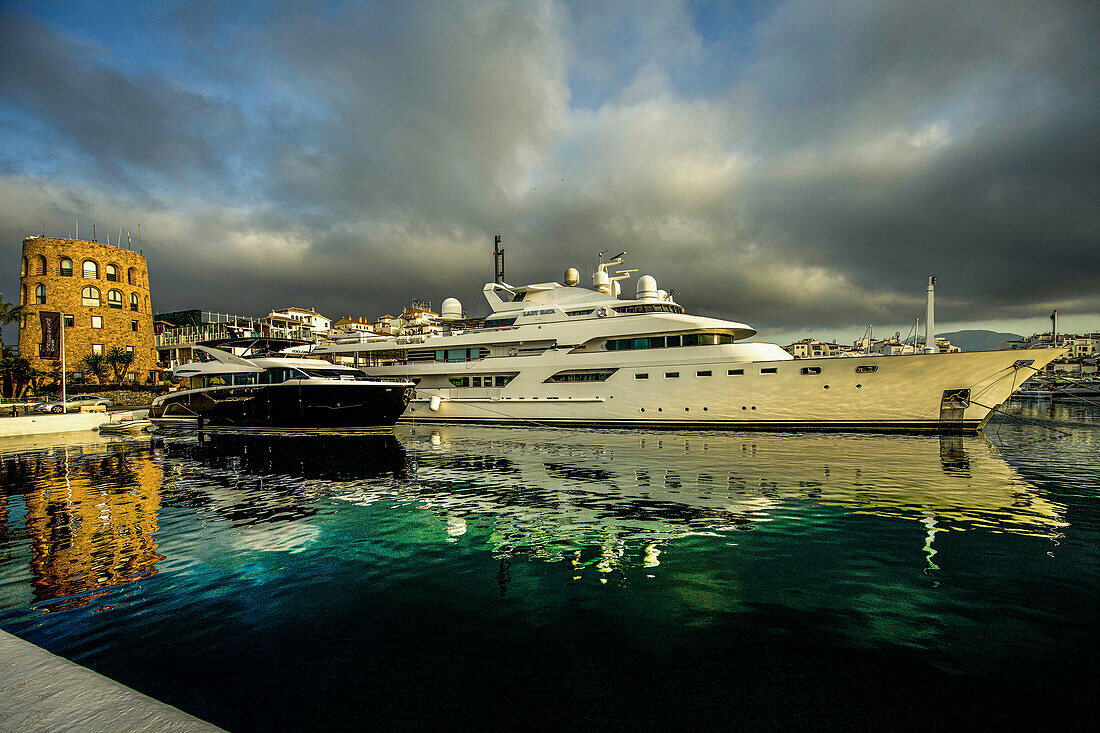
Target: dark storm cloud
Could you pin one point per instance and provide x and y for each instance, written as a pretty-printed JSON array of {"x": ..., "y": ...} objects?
[
  {"x": 122, "y": 123},
  {"x": 373, "y": 150}
]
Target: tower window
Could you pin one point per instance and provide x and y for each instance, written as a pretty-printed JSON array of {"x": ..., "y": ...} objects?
[
  {"x": 89, "y": 296},
  {"x": 40, "y": 294},
  {"x": 65, "y": 269},
  {"x": 91, "y": 270}
]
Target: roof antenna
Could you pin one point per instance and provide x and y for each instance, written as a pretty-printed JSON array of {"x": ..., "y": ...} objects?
[
  {"x": 498, "y": 259},
  {"x": 93, "y": 224}
]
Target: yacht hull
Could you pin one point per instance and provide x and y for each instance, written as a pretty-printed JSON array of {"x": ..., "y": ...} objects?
[
  {"x": 943, "y": 393},
  {"x": 293, "y": 406}
]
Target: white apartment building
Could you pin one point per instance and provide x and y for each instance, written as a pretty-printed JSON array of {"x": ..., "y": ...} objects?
[{"x": 302, "y": 317}]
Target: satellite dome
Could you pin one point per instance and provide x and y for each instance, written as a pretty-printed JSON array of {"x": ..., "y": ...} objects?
[
  {"x": 572, "y": 277},
  {"x": 451, "y": 310},
  {"x": 647, "y": 288}
]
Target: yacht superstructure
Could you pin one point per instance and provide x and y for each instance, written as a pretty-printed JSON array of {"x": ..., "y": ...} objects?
[{"x": 553, "y": 353}]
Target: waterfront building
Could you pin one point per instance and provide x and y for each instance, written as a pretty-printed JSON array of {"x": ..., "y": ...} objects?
[
  {"x": 178, "y": 331},
  {"x": 348, "y": 326},
  {"x": 300, "y": 317},
  {"x": 102, "y": 292}
]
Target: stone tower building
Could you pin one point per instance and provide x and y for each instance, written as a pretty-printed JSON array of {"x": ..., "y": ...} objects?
[{"x": 102, "y": 292}]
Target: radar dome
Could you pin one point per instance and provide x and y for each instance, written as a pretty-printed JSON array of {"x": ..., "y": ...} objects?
[
  {"x": 572, "y": 277},
  {"x": 452, "y": 310},
  {"x": 647, "y": 288}
]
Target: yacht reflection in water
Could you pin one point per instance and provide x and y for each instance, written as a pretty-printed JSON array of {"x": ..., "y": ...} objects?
[
  {"x": 89, "y": 519},
  {"x": 560, "y": 494}
]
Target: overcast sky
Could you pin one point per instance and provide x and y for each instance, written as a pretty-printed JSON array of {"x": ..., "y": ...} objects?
[{"x": 801, "y": 166}]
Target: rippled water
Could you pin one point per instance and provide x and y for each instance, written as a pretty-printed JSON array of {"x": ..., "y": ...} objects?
[{"x": 533, "y": 578}]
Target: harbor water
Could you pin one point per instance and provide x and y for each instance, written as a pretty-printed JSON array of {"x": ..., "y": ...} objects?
[{"x": 518, "y": 578}]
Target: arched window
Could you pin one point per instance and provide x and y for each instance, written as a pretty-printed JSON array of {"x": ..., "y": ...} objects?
[
  {"x": 39, "y": 265},
  {"x": 91, "y": 270},
  {"x": 146, "y": 303},
  {"x": 133, "y": 301},
  {"x": 66, "y": 267},
  {"x": 40, "y": 294},
  {"x": 23, "y": 272},
  {"x": 89, "y": 296},
  {"x": 23, "y": 295},
  {"x": 114, "y": 299},
  {"x": 111, "y": 272},
  {"x": 131, "y": 276}
]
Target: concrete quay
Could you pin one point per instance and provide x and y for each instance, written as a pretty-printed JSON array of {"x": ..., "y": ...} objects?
[
  {"x": 40, "y": 691},
  {"x": 37, "y": 424}
]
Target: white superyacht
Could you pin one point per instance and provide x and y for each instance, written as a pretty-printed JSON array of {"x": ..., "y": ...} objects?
[{"x": 561, "y": 354}]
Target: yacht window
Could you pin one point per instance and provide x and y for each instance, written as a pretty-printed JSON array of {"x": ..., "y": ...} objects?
[
  {"x": 811, "y": 370},
  {"x": 672, "y": 375},
  {"x": 650, "y": 308},
  {"x": 460, "y": 381},
  {"x": 703, "y": 373},
  {"x": 453, "y": 355},
  {"x": 659, "y": 342},
  {"x": 475, "y": 381},
  {"x": 866, "y": 369},
  {"x": 771, "y": 370},
  {"x": 641, "y": 375},
  {"x": 734, "y": 372},
  {"x": 580, "y": 313},
  {"x": 345, "y": 374},
  {"x": 498, "y": 322},
  {"x": 580, "y": 377},
  {"x": 220, "y": 380},
  {"x": 278, "y": 375},
  {"x": 503, "y": 380},
  {"x": 240, "y": 379}
]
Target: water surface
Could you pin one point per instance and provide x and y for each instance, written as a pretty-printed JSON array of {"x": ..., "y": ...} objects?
[{"x": 538, "y": 578}]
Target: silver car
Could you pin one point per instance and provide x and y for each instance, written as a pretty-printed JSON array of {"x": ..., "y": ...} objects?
[{"x": 73, "y": 404}]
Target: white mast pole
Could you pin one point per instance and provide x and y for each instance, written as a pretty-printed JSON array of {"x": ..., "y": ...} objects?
[{"x": 930, "y": 319}]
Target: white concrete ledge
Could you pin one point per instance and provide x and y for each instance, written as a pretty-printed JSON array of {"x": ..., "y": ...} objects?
[
  {"x": 49, "y": 423},
  {"x": 43, "y": 692}
]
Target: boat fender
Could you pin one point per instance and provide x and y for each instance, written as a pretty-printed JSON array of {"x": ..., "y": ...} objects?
[
  {"x": 434, "y": 403},
  {"x": 601, "y": 312}
]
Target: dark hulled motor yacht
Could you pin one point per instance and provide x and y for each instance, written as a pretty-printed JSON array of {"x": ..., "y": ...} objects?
[{"x": 279, "y": 394}]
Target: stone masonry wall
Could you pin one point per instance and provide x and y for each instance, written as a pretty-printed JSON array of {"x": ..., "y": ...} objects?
[{"x": 121, "y": 327}]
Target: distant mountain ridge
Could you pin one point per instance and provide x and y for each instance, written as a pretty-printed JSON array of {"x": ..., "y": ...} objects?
[{"x": 978, "y": 340}]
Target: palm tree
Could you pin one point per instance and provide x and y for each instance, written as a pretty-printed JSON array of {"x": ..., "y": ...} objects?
[
  {"x": 94, "y": 364},
  {"x": 118, "y": 360},
  {"x": 8, "y": 314}
]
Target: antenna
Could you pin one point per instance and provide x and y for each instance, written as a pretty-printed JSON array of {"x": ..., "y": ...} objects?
[
  {"x": 93, "y": 224},
  {"x": 498, "y": 259}
]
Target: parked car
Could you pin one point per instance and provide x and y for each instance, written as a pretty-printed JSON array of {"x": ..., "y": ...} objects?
[{"x": 73, "y": 404}]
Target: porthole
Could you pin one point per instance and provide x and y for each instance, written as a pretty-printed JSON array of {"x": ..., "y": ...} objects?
[
  {"x": 753, "y": 407},
  {"x": 743, "y": 408},
  {"x": 704, "y": 409},
  {"x": 643, "y": 409},
  {"x": 660, "y": 409},
  {"x": 686, "y": 409},
  {"x": 826, "y": 386},
  {"x": 859, "y": 386}
]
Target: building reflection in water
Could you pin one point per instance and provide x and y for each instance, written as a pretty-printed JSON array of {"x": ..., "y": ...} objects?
[{"x": 90, "y": 515}]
